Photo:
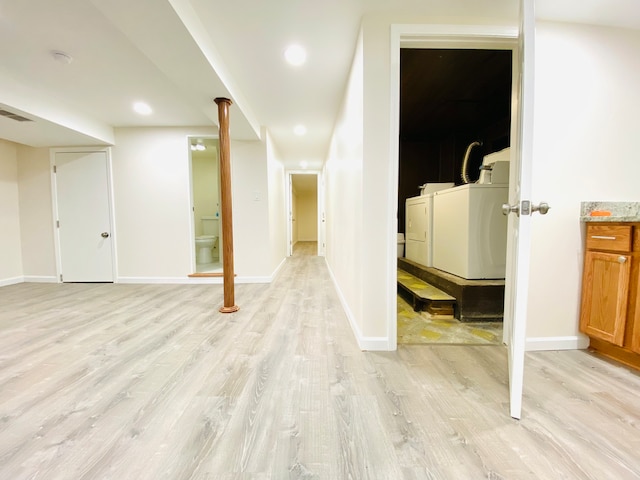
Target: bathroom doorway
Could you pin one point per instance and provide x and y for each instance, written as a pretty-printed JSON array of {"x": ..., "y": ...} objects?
[{"x": 205, "y": 205}]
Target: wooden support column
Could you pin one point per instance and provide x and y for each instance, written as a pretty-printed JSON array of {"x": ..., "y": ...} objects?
[{"x": 225, "y": 200}]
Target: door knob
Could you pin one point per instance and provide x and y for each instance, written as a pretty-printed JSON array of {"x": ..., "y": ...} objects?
[
  {"x": 104, "y": 234},
  {"x": 622, "y": 259},
  {"x": 543, "y": 208},
  {"x": 507, "y": 209}
]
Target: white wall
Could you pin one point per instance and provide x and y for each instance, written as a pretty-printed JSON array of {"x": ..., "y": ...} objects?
[
  {"x": 152, "y": 205},
  {"x": 10, "y": 245},
  {"x": 152, "y": 202},
  {"x": 152, "y": 208},
  {"x": 252, "y": 250},
  {"x": 36, "y": 215},
  {"x": 585, "y": 148},
  {"x": 277, "y": 206},
  {"x": 343, "y": 198},
  {"x": 380, "y": 204}
]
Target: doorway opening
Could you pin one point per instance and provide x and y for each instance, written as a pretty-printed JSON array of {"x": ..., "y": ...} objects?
[
  {"x": 206, "y": 226},
  {"x": 306, "y": 218},
  {"x": 450, "y": 98}
]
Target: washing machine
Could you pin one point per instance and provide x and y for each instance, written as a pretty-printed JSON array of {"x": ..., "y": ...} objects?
[{"x": 470, "y": 231}]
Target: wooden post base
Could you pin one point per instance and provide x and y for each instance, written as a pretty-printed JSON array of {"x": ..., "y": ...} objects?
[{"x": 231, "y": 309}]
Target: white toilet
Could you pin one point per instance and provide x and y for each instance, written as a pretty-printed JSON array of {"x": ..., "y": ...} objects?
[{"x": 208, "y": 240}]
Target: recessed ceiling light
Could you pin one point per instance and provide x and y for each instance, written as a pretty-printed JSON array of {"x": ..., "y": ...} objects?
[
  {"x": 300, "y": 130},
  {"x": 142, "y": 108},
  {"x": 295, "y": 55},
  {"x": 304, "y": 164}
]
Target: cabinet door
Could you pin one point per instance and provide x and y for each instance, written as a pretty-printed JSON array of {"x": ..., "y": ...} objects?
[{"x": 605, "y": 294}]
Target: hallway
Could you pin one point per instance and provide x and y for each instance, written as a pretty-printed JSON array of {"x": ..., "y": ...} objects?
[{"x": 151, "y": 381}]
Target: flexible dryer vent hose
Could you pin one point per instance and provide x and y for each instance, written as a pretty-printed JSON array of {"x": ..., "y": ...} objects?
[{"x": 464, "y": 173}]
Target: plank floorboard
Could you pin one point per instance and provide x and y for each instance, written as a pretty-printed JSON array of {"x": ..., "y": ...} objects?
[{"x": 115, "y": 381}]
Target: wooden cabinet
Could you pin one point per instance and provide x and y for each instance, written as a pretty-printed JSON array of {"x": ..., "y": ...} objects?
[
  {"x": 610, "y": 310},
  {"x": 605, "y": 295}
]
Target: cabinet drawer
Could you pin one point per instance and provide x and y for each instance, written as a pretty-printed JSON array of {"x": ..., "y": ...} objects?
[{"x": 615, "y": 238}]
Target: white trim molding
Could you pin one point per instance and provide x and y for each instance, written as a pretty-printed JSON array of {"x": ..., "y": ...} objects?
[
  {"x": 374, "y": 344},
  {"x": 423, "y": 36},
  {"x": 574, "y": 342},
  {"x": 276, "y": 272},
  {"x": 40, "y": 279},
  {"x": 190, "y": 280},
  {"x": 5, "y": 282}
]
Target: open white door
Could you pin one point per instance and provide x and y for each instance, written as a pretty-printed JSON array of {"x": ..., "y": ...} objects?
[{"x": 519, "y": 227}]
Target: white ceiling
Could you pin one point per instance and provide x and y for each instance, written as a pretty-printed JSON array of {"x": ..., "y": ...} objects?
[{"x": 178, "y": 55}]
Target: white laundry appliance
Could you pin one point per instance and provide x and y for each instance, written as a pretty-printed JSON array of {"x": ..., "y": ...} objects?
[
  {"x": 418, "y": 224},
  {"x": 470, "y": 231}
]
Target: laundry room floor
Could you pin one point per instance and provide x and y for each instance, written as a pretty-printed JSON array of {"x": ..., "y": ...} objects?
[{"x": 424, "y": 328}]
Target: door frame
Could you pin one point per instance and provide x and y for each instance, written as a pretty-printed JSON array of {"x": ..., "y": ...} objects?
[
  {"x": 468, "y": 37},
  {"x": 431, "y": 36},
  {"x": 54, "y": 205},
  {"x": 320, "y": 208},
  {"x": 191, "y": 217}
]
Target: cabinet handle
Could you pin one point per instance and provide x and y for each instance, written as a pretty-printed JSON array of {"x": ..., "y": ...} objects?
[
  {"x": 603, "y": 237},
  {"x": 622, "y": 259}
]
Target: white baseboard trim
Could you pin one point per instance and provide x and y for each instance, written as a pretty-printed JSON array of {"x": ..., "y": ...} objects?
[
  {"x": 169, "y": 280},
  {"x": 268, "y": 279},
  {"x": 5, "y": 282},
  {"x": 40, "y": 279},
  {"x": 377, "y": 344},
  {"x": 276, "y": 272},
  {"x": 575, "y": 342},
  {"x": 190, "y": 280}
]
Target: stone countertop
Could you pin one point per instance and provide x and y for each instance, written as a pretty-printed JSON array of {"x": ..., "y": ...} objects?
[{"x": 620, "y": 211}]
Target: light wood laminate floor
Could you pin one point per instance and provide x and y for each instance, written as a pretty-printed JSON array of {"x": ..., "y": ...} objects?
[{"x": 151, "y": 382}]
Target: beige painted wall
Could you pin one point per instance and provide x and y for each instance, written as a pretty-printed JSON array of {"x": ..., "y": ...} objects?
[
  {"x": 294, "y": 217},
  {"x": 10, "y": 245},
  {"x": 36, "y": 214},
  {"x": 307, "y": 216}
]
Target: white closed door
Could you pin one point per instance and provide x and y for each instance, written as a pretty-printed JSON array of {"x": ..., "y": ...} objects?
[{"x": 84, "y": 216}]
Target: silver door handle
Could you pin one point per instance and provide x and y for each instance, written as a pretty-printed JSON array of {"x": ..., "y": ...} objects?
[
  {"x": 507, "y": 209},
  {"x": 622, "y": 259},
  {"x": 104, "y": 234},
  {"x": 543, "y": 208}
]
